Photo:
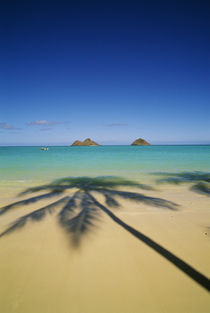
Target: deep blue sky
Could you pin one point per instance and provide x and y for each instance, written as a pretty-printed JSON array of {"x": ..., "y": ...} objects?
[{"x": 112, "y": 71}]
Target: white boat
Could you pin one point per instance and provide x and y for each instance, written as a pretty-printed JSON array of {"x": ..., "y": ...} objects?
[{"x": 44, "y": 148}]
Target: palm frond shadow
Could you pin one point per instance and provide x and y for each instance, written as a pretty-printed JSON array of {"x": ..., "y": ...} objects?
[
  {"x": 199, "y": 181},
  {"x": 34, "y": 216},
  {"x": 78, "y": 217},
  {"x": 78, "y": 212}
]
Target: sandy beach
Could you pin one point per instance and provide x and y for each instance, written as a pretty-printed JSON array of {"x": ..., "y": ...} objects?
[{"x": 111, "y": 271}]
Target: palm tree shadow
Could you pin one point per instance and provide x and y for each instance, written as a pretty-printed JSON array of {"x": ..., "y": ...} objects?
[
  {"x": 198, "y": 181},
  {"x": 79, "y": 217},
  {"x": 79, "y": 211}
]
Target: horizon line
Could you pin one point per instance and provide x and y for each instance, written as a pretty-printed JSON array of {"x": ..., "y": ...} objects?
[{"x": 69, "y": 145}]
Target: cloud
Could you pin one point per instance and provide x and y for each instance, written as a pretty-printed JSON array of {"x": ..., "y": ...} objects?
[
  {"x": 43, "y": 123},
  {"x": 117, "y": 125},
  {"x": 8, "y": 126},
  {"x": 46, "y": 129}
]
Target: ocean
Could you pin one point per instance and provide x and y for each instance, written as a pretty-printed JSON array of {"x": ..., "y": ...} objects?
[{"x": 31, "y": 165}]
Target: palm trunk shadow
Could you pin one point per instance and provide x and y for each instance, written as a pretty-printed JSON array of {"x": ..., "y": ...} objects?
[{"x": 176, "y": 261}]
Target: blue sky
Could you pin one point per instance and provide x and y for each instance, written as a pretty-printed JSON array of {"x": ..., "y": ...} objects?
[{"x": 111, "y": 71}]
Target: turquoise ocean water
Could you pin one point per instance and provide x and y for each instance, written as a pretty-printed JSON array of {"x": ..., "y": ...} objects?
[{"x": 33, "y": 166}]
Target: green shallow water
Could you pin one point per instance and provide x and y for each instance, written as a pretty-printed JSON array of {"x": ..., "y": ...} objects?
[{"x": 32, "y": 165}]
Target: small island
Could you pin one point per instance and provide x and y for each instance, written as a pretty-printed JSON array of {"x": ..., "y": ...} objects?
[
  {"x": 86, "y": 142},
  {"x": 140, "y": 142}
]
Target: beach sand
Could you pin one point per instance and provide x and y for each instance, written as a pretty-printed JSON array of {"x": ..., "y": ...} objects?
[{"x": 111, "y": 271}]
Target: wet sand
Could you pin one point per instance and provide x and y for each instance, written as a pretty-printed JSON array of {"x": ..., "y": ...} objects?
[{"x": 111, "y": 271}]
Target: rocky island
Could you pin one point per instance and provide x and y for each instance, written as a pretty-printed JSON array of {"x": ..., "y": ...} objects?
[
  {"x": 140, "y": 142},
  {"x": 86, "y": 142}
]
